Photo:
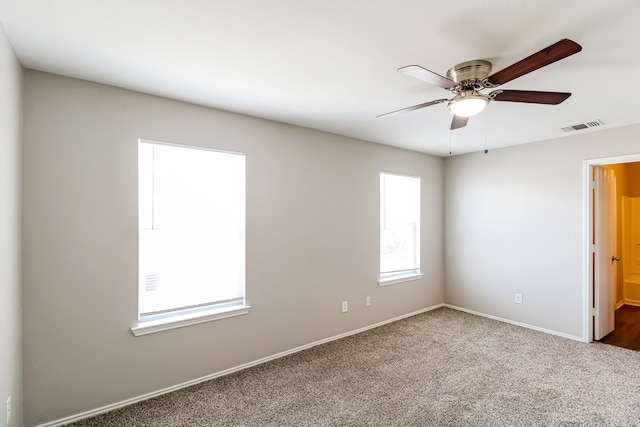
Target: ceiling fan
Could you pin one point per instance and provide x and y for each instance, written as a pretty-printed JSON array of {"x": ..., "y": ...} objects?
[{"x": 468, "y": 79}]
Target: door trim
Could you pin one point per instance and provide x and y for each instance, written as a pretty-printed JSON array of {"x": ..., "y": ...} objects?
[{"x": 587, "y": 236}]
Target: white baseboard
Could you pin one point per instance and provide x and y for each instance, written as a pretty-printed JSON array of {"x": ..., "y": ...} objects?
[
  {"x": 524, "y": 325},
  {"x": 127, "y": 402},
  {"x": 630, "y": 302}
]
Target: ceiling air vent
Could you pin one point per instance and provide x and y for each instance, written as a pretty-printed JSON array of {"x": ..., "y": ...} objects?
[{"x": 583, "y": 126}]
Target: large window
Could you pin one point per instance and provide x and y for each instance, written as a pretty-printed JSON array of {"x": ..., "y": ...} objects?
[
  {"x": 399, "y": 228},
  {"x": 192, "y": 235}
]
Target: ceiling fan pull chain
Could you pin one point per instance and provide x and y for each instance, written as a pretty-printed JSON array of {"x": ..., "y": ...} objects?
[{"x": 486, "y": 120}]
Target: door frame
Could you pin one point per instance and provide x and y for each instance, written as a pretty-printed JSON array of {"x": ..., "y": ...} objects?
[{"x": 587, "y": 285}]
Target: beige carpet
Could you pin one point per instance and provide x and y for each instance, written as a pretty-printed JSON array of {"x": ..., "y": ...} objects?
[{"x": 441, "y": 368}]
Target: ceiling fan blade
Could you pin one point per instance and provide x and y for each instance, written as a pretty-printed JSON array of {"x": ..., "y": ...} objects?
[
  {"x": 428, "y": 76},
  {"x": 459, "y": 122},
  {"x": 530, "y": 96},
  {"x": 415, "y": 107},
  {"x": 546, "y": 56}
]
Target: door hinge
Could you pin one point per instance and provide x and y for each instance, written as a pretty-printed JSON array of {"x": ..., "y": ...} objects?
[
  {"x": 594, "y": 248},
  {"x": 593, "y": 185},
  {"x": 594, "y": 311}
]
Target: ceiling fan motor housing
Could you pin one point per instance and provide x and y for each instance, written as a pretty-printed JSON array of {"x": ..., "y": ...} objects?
[
  {"x": 470, "y": 73},
  {"x": 471, "y": 77}
]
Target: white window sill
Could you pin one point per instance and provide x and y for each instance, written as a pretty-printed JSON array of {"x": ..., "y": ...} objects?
[
  {"x": 399, "y": 279},
  {"x": 153, "y": 326}
]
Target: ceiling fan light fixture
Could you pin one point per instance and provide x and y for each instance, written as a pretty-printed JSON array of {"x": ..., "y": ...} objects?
[{"x": 467, "y": 104}]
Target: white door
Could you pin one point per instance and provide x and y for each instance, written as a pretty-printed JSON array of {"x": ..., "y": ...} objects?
[{"x": 604, "y": 271}]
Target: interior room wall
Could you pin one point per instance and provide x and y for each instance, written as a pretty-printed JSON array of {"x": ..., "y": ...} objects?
[
  {"x": 515, "y": 224},
  {"x": 620, "y": 171},
  {"x": 628, "y": 227},
  {"x": 312, "y": 242},
  {"x": 10, "y": 290},
  {"x": 632, "y": 173},
  {"x": 627, "y": 185}
]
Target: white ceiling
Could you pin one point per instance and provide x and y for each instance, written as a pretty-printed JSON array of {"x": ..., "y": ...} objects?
[{"x": 331, "y": 64}]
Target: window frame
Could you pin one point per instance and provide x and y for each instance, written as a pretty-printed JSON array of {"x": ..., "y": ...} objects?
[
  {"x": 189, "y": 315},
  {"x": 405, "y": 275}
]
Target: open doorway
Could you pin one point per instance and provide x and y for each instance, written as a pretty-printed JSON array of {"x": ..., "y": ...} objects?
[{"x": 614, "y": 251}]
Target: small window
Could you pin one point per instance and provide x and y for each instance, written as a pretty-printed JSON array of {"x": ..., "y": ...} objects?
[
  {"x": 399, "y": 228},
  {"x": 192, "y": 235}
]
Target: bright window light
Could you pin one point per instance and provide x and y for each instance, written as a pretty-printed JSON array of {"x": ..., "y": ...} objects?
[
  {"x": 399, "y": 226},
  {"x": 192, "y": 230}
]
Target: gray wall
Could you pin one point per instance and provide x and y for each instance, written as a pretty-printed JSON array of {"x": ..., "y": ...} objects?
[
  {"x": 10, "y": 291},
  {"x": 312, "y": 241},
  {"x": 514, "y": 223}
]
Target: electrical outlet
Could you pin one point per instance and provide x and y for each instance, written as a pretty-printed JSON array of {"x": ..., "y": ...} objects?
[
  {"x": 345, "y": 306},
  {"x": 367, "y": 301},
  {"x": 7, "y": 407},
  {"x": 518, "y": 298}
]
